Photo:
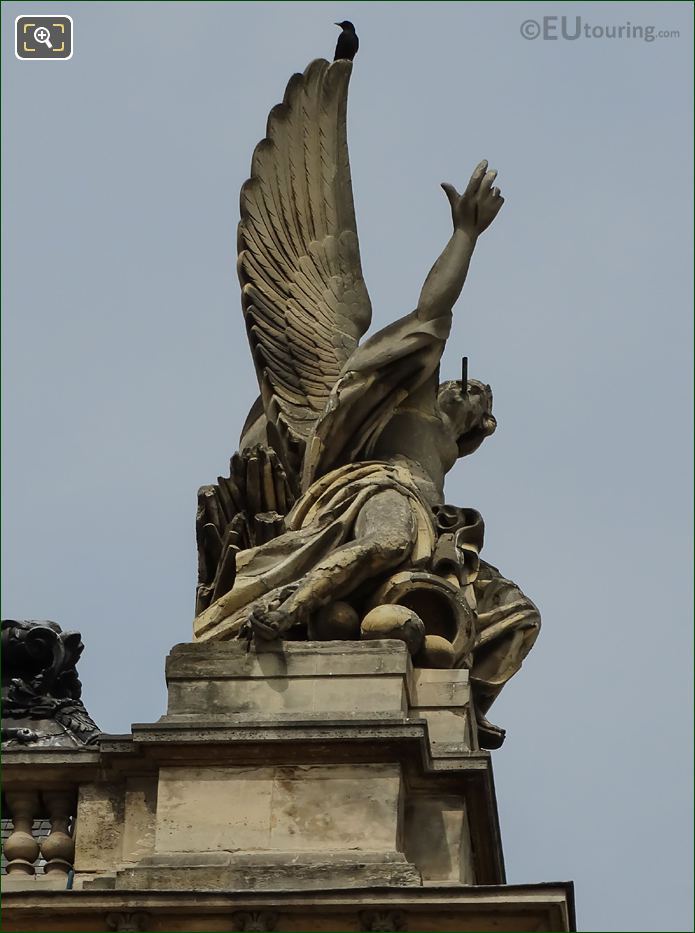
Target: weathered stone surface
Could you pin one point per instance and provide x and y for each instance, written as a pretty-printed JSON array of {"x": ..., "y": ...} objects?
[
  {"x": 305, "y": 682},
  {"x": 99, "y": 827},
  {"x": 261, "y": 699},
  {"x": 140, "y": 818},
  {"x": 443, "y": 698},
  {"x": 214, "y": 740},
  {"x": 446, "y": 908},
  {"x": 358, "y": 808},
  {"x": 294, "y": 783},
  {"x": 291, "y": 680},
  {"x": 278, "y": 809},
  {"x": 280, "y": 871},
  {"x": 234, "y": 659},
  {"x": 437, "y": 838},
  {"x": 450, "y": 731},
  {"x": 439, "y": 688},
  {"x": 23, "y": 883}
]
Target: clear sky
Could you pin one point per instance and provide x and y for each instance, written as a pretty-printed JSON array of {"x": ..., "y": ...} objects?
[{"x": 127, "y": 375}]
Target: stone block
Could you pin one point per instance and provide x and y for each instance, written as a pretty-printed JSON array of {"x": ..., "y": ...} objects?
[
  {"x": 443, "y": 688},
  {"x": 449, "y": 731},
  {"x": 336, "y": 807},
  {"x": 232, "y": 809},
  {"x": 222, "y": 660},
  {"x": 443, "y": 698},
  {"x": 437, "y": 839},
  {"x": 258, "y": 700},
  {"x": 139, "y": 818},
  {"x": 288, "y": 871},
  {"x": 213, "y": 809},
  {"x": 99, "y": 827},
  {"x": 287, "y": 679}
]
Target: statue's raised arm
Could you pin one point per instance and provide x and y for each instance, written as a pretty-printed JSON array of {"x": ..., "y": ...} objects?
[
  {"x": 397, "y": 363},
  {"x": 472, "y": 212}
]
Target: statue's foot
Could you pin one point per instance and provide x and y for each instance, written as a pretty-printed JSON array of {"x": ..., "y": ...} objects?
[{"x": 489, "y": 735}]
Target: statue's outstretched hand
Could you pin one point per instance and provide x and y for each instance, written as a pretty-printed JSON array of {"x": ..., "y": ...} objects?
[{"x": 475, "y": 209}]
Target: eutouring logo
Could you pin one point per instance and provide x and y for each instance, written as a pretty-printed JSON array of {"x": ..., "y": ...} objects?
[{"x": 571, "y": 28}]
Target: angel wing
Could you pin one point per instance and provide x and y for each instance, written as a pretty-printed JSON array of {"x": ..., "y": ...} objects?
[
  {"x": 240, "y": 511},
  {"x": 303, "y": 296}
]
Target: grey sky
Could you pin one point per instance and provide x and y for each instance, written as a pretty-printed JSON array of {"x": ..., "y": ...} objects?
[{"x": 127, "y": 374}]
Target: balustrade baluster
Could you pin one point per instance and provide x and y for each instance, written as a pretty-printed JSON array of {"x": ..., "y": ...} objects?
[
  {"x": 58, "y": 848},
  {"x": 21, "y": 849}
]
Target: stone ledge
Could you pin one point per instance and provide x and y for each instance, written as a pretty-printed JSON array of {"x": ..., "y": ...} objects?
[
  {"x": 547, "y": 906},
  {"x": 49, "y": 766},
  {"x": 268, "y": 660},
  {"x": 318, "y": 695},
  {"x": 385, "y": 738},
  {"x": 74, "y": 758},
  {"x": 280, "y": 871},
  {"x": 292, "y": 729},
  {"x": 56, "y": 881}
]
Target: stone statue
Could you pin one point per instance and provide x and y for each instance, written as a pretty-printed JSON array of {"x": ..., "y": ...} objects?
[{"x": 333, "y": 522}]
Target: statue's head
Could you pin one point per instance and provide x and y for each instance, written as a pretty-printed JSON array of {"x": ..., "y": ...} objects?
[{"x": 468, "y": 413}]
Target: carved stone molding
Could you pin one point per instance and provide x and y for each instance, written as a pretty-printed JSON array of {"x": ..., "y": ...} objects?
[
  {"x": 128, "y": 922},
  {"x": 262, "y": 921},
  {"x": 388, "y": 921}
]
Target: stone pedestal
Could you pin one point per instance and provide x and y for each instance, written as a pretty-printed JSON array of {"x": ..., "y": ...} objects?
[
  {"x": 314, "y": 764},
  {"x": 295, "y": 786}
]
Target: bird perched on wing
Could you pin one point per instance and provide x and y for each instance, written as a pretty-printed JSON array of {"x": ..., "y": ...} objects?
[{"x": 348, "y": 43}]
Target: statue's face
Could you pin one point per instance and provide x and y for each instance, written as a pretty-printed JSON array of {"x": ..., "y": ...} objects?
[{"x": 467, "y": 411}]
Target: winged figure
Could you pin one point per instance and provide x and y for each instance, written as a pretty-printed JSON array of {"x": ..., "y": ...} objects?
[{"x": 333, "y": 521}]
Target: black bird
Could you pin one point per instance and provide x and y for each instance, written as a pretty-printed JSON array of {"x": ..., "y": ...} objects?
[{"x": 348, "y": 43}]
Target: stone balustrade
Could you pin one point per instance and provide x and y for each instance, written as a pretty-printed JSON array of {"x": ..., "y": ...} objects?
[{"x": 25, "y": 851}]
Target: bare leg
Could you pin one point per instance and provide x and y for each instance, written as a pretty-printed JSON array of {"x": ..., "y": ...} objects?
[{"x": 385, "y": 531}]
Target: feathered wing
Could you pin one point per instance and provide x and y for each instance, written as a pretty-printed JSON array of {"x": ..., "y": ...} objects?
[
  {"x": 303, "y": 296},
  {"x": 240, "y": 511}
]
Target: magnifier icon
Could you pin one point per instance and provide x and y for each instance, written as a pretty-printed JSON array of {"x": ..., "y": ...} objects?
[{"x": 41, "y": 34}]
